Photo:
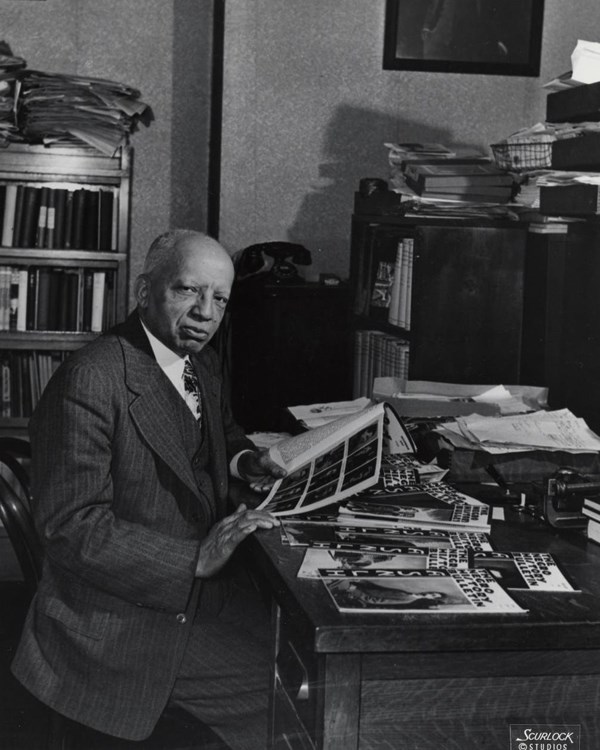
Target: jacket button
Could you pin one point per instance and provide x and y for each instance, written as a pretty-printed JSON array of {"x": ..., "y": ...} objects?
[{"x": 181, "y": 618}]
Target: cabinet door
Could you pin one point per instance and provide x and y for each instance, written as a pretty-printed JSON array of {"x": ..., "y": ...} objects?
[
  {"x": 289, "y": 346},
  {"x": 467, "y": 304}
]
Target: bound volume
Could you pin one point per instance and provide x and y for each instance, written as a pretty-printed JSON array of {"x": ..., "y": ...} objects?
[
  {"x": 579, "y": 199},
  {"x": 578, "y": 104},
  {"x": 579, "y": 153}
]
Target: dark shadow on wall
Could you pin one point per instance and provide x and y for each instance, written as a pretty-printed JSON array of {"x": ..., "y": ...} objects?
[
  {"x": 353, "y": 149},
  {"x": 191, "y": 112}
]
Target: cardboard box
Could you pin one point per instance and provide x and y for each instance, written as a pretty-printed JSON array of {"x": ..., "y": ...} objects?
[
  {"x": 579, "y": 153},
  {"x": 570, "y": 200},
  {"x": 577, "y": 104}
]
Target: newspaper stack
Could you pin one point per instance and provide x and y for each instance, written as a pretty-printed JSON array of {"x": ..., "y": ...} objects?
[
  {"x": 69, "y": 109},
  {"x": 9, "y": 67}
]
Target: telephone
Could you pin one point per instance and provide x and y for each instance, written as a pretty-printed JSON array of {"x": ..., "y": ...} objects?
[{"x": 251, "y": 262}]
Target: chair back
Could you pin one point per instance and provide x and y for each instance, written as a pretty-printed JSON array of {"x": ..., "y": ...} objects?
[
  {"x": 15, "y": 512},
  {"x": 12, "y": 452}
]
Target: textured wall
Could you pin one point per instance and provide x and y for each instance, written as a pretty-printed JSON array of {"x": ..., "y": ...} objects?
[
  {"x": 162, "y": 49},
  {"x": 307, "y": 108}
]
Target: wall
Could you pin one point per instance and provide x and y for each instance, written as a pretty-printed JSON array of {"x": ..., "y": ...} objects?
[
  {"x": 307, "y": 109},
  {"x": 162, "y": 49}
]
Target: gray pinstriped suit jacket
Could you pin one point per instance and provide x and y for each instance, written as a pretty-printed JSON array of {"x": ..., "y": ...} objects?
[{"x": 121, "y": 514}]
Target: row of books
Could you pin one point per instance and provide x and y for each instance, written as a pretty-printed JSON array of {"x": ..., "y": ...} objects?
[
  {"x": 42, "y": 298},
  {"x": 459, "y": 179},
  {"x": 378, "y": 354},
  {"x": 41, "y": 216},
  {"x": 392, "y": 287},
  {"x": 24, "y": 375}
]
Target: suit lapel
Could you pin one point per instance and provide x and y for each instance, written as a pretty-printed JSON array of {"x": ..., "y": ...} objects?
[{"x": 154, "y": 404}]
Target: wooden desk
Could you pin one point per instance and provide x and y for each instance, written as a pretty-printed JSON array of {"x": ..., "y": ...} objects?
[{"x": 449, "y": 682}]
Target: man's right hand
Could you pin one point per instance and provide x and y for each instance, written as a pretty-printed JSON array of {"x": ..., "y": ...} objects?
[{"x": 224, "y": 537}]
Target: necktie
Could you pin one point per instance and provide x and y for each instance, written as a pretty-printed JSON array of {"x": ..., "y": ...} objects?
[{"x": 192, "y": 388}]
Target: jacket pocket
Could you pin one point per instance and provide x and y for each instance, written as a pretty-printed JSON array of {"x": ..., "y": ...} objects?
[{"x": 91, "y": 623}]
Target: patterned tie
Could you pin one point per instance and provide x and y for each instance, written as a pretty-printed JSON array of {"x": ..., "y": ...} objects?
[{"x": 192, "y": 388}]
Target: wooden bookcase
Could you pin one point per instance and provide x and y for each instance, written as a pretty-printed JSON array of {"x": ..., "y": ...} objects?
[
  {"x": 466, "y": 299},
  {"x": 89, "y": 245}
]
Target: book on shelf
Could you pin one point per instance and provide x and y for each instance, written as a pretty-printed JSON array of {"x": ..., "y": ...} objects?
[
  {"x": 335, "y": 460},
  {"x": 42, "y": 218},
  {"x": 8, "y": 217},
  {"x": 18, "y": 220},
  {"x": 529, "y": 571},
  {"x": 417, "y": 591}
]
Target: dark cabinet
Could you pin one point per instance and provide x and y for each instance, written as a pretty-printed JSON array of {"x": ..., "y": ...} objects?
[{"x": 290, "y": 345}]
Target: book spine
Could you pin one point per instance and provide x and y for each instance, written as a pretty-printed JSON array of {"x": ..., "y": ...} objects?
[
  {"x": 22, "y": 305},
  {"x": 60, "y": 200},
  {"x": 32, "y": 293},
  {"x": 13, "y": 299},
  {"x": 18, "y": 224},
  {"x": 98, "y": 288},
  {"x": 8, "y": 220},
  {"x": 49, "y": 238},
  {"x": 42, "y": 220},
  {"x": 105, "y": 221},
  {"x": 393, "y": 316},
  {"x": 29, "y": 221},
  {"x": 91, "y": 217}
]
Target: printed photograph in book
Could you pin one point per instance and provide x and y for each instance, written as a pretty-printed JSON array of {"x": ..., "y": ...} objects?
[
  {"x": 412, "y": 591},
  {"x": 328, "y": 463}
]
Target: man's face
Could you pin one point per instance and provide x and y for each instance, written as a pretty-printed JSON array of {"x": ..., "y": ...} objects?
[{"x": 183, "y": 304}]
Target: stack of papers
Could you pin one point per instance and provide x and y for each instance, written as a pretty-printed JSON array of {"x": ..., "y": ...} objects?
[
  {"x": 544, "y": 430},
  {"x": 315, "y": 415},
  {"x": 69, "y": 109},
  {"x": 9, "y": 67},
  {"x": 424, "y": 398}
]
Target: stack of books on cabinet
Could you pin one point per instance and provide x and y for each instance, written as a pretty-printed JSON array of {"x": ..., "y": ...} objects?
[
  {"x": 579, "y": 194},
  {"x": 64, "y": 220}
]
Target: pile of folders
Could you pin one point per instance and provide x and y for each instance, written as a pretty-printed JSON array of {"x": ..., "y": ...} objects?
[{"x": 460, "y": 180}]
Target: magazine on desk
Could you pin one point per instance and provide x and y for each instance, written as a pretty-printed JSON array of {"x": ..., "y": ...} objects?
[
  {"x": 533, "y": 571},
  {"x": 380, "y": 590},
  {"x": 299, "y": 533},
  {"x": 335, "y": 460}
]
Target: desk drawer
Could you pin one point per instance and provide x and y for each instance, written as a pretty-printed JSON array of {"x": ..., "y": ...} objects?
[
  {"x": 289, "y": 731},
  {"x": 296, "y": 673}
]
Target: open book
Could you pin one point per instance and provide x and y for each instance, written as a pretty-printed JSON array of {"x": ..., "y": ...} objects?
[{"x": 335, "y": 460}]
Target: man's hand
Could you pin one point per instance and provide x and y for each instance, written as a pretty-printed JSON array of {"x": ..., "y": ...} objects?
[
  {"x": 224, "y": 537},
  {"x": 259, "y": 470}
]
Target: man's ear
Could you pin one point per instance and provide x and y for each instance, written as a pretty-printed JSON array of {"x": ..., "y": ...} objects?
[{"x": 141, "y": 289}]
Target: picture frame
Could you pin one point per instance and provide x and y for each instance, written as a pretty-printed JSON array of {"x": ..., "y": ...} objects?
[{"x": 486, "y": 37}]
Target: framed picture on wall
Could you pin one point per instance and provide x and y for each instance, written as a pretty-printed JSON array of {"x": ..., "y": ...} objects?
[{"x": 491, "y": 37}]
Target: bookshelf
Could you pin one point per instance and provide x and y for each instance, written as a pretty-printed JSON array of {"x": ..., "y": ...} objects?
[
  {"x": 463, "y": 321},
  {"x": 64, "y": 231}
]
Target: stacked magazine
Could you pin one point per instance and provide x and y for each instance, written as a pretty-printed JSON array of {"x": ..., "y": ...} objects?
[{"x": 383, "y": 532}]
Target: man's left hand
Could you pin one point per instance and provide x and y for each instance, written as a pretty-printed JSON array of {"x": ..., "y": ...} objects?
[{"x": 259, "y": 470}]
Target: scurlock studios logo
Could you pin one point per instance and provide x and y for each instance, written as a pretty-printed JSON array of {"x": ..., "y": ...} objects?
[{"x": 545, "y": 736}]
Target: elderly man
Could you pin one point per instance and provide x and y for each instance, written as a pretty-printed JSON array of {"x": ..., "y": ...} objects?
[{"x": 141, "y": 603}]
